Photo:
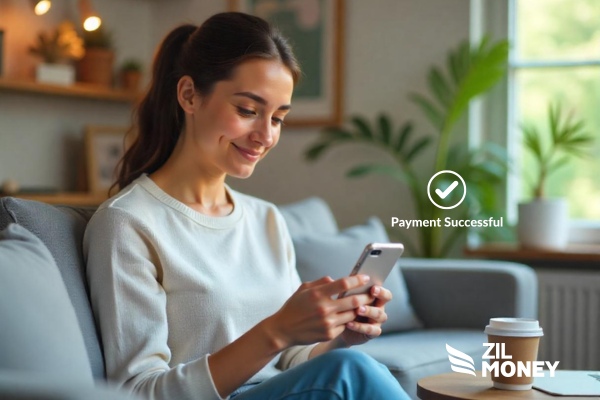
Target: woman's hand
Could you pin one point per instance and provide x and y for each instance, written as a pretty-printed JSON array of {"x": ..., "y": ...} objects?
[
  {"x": 367, "y": 325},
  {"x": 314, "y": 314}
]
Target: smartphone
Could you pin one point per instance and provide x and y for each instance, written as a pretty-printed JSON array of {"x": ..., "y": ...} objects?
[{"x": 377, "y": 261}]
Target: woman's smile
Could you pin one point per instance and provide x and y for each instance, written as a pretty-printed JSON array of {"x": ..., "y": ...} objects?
[{"x": 248, "y": 154}]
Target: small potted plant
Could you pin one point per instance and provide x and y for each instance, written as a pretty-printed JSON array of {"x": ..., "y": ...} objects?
[
  {"x": 97, "y": 64},
  {"x": 58, "y": 49},
  {"x": 131, "y": 74},
  {"x": 543, "y": 222}
]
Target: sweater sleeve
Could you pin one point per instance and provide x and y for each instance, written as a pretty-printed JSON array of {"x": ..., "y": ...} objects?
[
  {"x": 129, "y": 303},
  {"x": 297, "y": 354}
]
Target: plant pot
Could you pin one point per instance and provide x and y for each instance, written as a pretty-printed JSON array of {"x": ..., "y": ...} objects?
[
  {"x": 59, "y": 74},
  {"x": 130, "y": 80},
  {"x": 96, "y": 67},
  {"x": 544, "y": 224}
]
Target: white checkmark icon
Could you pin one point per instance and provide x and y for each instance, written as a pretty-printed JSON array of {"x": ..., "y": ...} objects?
[{"x": 448, "y": 190}]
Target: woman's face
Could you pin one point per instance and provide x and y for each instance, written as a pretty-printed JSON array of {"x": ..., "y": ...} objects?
[{"x": 240, "y": 121}]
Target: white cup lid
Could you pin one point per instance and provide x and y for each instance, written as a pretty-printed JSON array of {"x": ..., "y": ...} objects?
[{"x": 518, "y": 327}]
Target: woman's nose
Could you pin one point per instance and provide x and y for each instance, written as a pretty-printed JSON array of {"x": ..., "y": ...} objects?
[{"x": 263, "y": 133}]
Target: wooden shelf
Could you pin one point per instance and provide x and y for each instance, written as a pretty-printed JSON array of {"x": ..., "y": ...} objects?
[
  {"x": 66, "y": 198},
  {"x": 78, "y": 90},
  {"x": 511, "y": 251}
]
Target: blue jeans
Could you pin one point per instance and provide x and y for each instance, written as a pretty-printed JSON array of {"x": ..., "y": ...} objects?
[{"x": 335, "y": 375}]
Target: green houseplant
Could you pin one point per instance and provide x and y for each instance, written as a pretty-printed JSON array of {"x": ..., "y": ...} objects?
[
  {"x": 131, "y": 65},
  {"x": 57, "y": 49},
  {"x": 98, "y": 39},
  {"x": 131, "y": 74},
  {"x": 97, "y": 64},
  {"x": 470, "y": 71},
  {"x": 62, "y": 45},
  {"x": 543, "y": 222}
]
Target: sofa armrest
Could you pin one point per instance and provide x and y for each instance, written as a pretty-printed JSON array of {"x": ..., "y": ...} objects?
[
  {"x": 23, "y": 385},
  {"x": 467, "y": 293}
]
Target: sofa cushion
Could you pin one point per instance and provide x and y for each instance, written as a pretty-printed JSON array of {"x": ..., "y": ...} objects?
[
  {"x": 309, "y": 216},
  {"x": 27, "y": 386},
  {"x": 411, "y": 356},
  {"x": 39, "y": 330},
  {"x": 318, "y": 255},
  {"x": 61, "y": 229}
]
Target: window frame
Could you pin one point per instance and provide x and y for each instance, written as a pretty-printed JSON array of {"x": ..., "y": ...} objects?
[{"x": 491, "y": 118}]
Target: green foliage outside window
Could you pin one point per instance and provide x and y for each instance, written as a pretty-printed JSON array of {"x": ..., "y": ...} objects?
[{"x": 561, "y": 30}]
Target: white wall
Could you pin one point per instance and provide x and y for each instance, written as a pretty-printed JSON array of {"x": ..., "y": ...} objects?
[
  {"x": 169, "y": 14},
  {"x": 390, "y": 44}
]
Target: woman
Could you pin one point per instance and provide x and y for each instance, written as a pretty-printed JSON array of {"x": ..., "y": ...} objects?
[{"x": 193, "y": 284}]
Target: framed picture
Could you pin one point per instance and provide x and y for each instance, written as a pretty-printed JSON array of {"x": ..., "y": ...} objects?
[
  {"x": 1, "y": 49},
  {"x": 315, "y": 29},
  {"x": 104, "y": 147}
]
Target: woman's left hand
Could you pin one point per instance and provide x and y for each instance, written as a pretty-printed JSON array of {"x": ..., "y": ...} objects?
[{"x": 367, "y": 325}]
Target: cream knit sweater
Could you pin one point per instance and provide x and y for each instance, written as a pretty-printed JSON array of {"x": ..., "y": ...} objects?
[{"x": 169, "y": 286}]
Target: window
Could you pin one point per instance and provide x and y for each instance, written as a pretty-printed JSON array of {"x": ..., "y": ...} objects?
[{"x": 555, "y": 57}]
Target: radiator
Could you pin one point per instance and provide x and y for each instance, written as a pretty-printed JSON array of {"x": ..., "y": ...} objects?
[{"x": 569, "y": 313}]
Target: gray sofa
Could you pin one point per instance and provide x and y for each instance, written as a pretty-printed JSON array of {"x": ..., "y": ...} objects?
[{"x": 450, "y": 302}]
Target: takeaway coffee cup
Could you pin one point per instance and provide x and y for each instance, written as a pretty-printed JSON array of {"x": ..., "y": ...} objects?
[{"x": 517, "y": 341}]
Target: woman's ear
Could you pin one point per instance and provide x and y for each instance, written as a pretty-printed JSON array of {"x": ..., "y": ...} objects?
[{"x": 186, "y": 94}]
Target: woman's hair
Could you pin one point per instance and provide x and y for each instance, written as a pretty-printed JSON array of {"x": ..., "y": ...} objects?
[{"x": 208, "y": 54}]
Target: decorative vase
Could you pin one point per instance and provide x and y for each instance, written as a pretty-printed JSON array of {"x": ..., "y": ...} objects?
[
  {"x": 60, "y": 74},
  {"x": 130, "y": 80},
  {"x": 96, "y": 67},
  {"x": 544, "y": 224}
]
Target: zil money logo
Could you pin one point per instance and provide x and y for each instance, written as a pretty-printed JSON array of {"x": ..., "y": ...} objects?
[
  {"x": 501, "y": 364},
  {"x": 460, "y": 362}
]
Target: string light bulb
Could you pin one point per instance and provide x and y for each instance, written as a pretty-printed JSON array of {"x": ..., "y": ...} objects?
[
  {"x": 41, "y": 7},
  {"x": 91, "y": 20}
]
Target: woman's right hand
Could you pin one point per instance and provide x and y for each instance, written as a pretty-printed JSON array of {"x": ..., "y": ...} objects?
[{"x": 315, "y": 314}]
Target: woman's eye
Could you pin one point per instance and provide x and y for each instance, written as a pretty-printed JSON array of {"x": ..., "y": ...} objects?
[
  {"x": 245, "y": 112},
  {"x": 277, "y": 121}
]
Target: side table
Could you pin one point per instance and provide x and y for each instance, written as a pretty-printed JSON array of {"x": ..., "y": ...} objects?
[{"x": 453, "y": 386}]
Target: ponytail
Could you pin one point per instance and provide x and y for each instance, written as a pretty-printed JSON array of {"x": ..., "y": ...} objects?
[{"x": 160, "y": 119}]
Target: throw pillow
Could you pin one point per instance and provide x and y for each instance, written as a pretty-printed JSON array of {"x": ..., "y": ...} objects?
[
  {"x": 307, "y": 216},
  {"x": 318, "y": 255},
  {"x": 39, "y": 331},
  {"x": 61, "y": 229}
]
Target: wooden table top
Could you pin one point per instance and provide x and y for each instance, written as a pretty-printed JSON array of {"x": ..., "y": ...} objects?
[{"x": 454, "y": 386}]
